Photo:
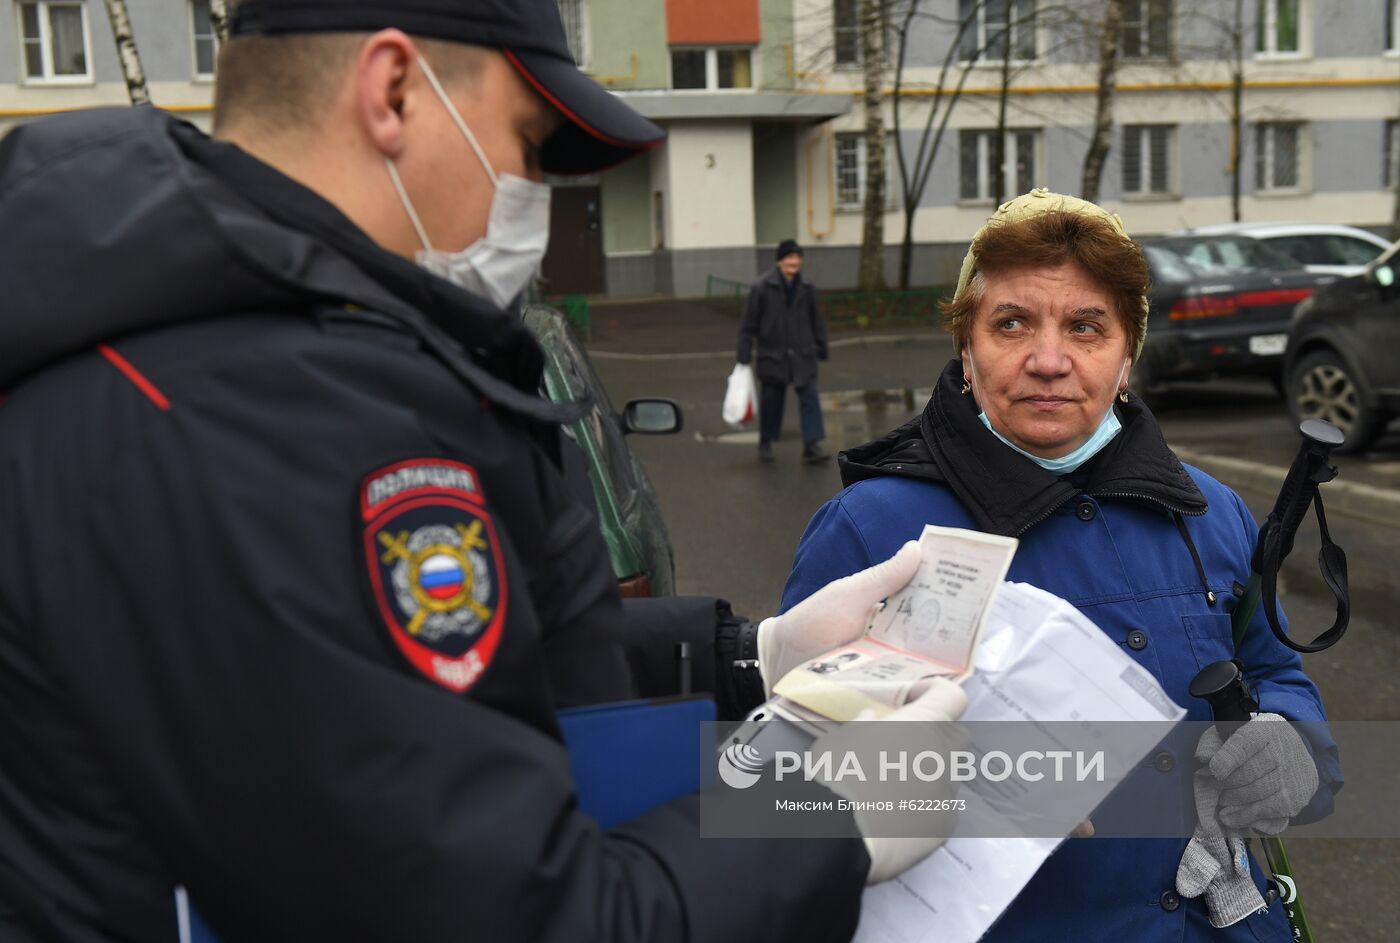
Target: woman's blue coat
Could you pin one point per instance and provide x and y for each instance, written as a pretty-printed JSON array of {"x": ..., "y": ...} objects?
[{"x": 1122, "y": 563}]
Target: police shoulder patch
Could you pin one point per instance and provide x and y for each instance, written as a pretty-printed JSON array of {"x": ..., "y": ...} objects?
[{"x": 435, "y": 567}]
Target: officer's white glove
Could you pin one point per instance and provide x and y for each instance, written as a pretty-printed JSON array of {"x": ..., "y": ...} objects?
[
  {"x": 833, "y": 616},
  {"x": 1265, "y": 772},
  {"x": 890, "y": 856}
]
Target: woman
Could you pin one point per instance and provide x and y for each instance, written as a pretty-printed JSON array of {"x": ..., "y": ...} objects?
[{"x": 1031, "y": 433}]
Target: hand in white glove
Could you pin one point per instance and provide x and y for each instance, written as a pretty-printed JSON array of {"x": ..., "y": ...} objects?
[
  {"x": 891, "y": 856},
  {"x": 833, "y": 616},
  {"x": 1265, "y": 772}
]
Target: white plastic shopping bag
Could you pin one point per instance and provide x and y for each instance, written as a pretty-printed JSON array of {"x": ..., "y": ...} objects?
[{"x": 739, "y": 396}]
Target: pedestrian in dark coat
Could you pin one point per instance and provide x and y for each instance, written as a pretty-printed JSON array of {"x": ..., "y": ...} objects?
[{"x": 783, "y": 316}]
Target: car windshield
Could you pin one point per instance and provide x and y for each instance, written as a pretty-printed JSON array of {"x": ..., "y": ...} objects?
[
  {"x": 1347, "y": 251},
  {"x": 1166, "y": 265},
  {"x": 1219, "y": 255}
]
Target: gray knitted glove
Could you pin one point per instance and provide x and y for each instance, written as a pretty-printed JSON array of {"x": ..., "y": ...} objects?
[
  {"x": 1265, "y": 772},
  {"x": 1216, "y": 862},
  {"x": 1220, "y": 868}
]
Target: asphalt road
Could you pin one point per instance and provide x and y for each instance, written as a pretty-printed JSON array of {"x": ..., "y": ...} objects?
[{"x": 735, "y": 524}]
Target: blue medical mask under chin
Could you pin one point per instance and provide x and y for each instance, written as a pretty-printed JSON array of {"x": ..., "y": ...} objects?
[
  {"x": 1109, "y": 427},
  {"x": 500, "y": 264}
]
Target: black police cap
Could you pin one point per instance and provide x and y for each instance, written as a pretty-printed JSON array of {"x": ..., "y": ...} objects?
[{"x": 599, "y": 130}]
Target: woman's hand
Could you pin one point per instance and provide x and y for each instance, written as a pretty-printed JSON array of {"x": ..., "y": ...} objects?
[{"x": 1265, "y": 772}]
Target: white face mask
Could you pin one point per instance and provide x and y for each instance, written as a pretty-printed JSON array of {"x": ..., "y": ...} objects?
[
  {"x": 1109, "y": 426},
  {"x": 499, "y": 265}
]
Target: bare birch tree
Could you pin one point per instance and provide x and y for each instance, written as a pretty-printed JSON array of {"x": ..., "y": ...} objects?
[
  {"x": 1003, "y": 99},
  {"x": 1102, "y": 140},
  {"x": 1230, "y": 26},
  {"x": 1226, "y": 21},
  {"x": 915, "y": 168},
  {"x": 874, "y": 21},
  {"x": 126, "y": 51},
  {"x": 1063, "y": 27},
  {"x": 1236, "y": 34},
  {"x": 1393, "y": 129},
  {"x": 218, "y": 16}
]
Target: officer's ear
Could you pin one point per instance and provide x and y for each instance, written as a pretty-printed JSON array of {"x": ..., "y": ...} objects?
[{"x": 382, "y": 72}]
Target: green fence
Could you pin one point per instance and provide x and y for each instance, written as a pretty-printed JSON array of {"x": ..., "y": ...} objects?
[
  {"x": 849, "y": 310},
  {"x": 725, "y": 293},
  {"x": 575, "y": 308},
  {"x": 863, "y": 309}
]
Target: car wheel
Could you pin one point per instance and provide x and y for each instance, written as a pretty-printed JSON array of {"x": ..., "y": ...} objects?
[{"x": 1323, "y": 387}]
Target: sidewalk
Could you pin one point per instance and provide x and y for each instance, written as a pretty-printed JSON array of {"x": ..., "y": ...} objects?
[
  {"x": 670, "y": 330},
  {"x": 1351, "y": 493},
  {"x": 664, "y": 326}
]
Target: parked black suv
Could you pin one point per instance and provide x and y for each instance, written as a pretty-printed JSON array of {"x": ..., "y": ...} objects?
[{"x": 1341, "y": 363}]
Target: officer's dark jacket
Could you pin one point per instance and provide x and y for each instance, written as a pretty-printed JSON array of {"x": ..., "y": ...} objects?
[
  {"x": 201, "y": 362},
  {"x": 791, "y": 335}
]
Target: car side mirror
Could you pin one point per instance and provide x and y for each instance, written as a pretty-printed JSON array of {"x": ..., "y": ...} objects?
[{"x": 652, "y": 417}]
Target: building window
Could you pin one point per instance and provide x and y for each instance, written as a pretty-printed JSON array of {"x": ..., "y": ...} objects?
[
  {"x": 574, "y": 13},
  {"x": 711, "y": 69},
  {"x": 845, "y": 25},
  {"x": 206, "y": 41},
  {"x": 1147, "y": 159},
  {"x": 850, "y": 172},
  {"x": 977, "y": 164},
  {"x": 54, "y": 38},
  {"x": 1276, "y": 157},
  {"x": 1147, "y": 29},
  {"x": 1392, "y": 25},
  {"x": 1278, "y": 26},
  {"x": 993, "y": 27},
  {"x": 1390, "y": 154}
]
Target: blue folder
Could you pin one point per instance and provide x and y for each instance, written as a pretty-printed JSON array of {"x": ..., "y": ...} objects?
[
  {"x": 632, "y": 756},
  {"x": 626, "y": 758}
]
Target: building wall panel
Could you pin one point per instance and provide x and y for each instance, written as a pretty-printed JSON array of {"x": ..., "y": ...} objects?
[
  {"x": 712, "y": 22},
  {"x": 711, "y": 184}
]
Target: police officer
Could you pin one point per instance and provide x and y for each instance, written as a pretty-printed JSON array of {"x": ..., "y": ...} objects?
[{"x": 291, "y": 584}]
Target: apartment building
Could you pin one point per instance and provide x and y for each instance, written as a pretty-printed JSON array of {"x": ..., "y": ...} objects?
[
  {"x": 57, "y": 55},
  {"x": 762, "y": 102},
  {"x": 717, "y": 73},
  {"x": 1320, "y": 99},
  {"x": 722, "y": 77}
]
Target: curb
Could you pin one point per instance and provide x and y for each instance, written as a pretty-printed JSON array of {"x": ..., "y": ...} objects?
[{"x": 1366, "y": 502}]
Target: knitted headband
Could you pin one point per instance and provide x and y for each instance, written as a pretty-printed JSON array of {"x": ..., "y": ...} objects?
[{"x": 1033, "y": 204}]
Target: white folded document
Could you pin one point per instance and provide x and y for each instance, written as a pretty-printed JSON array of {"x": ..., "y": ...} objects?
[{"x": 1039, "y": 660}]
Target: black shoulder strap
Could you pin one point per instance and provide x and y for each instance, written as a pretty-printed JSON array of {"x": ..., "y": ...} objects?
[{"x": 1276, "y": 540}]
